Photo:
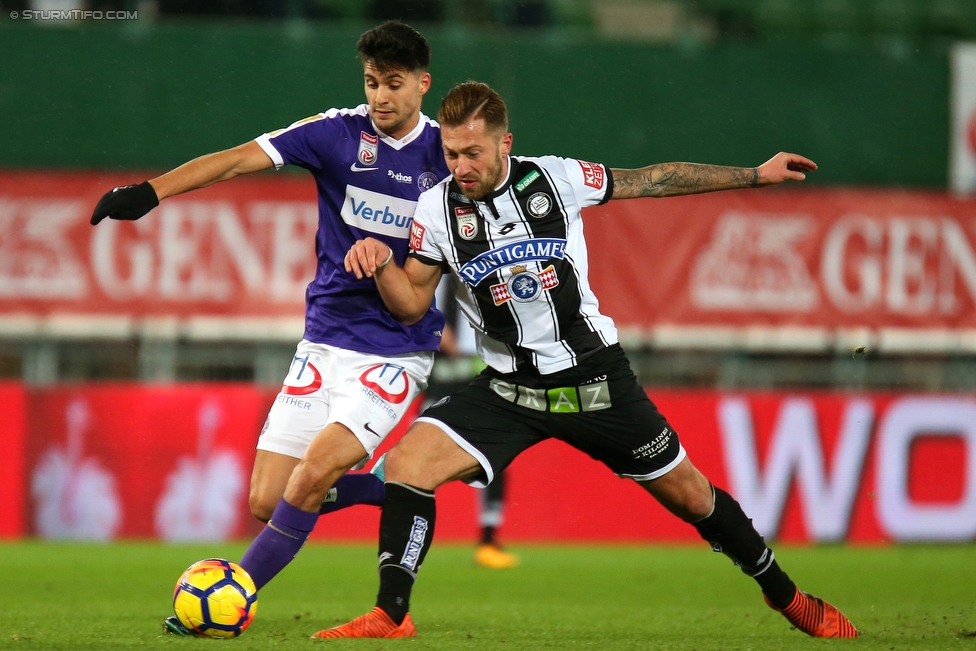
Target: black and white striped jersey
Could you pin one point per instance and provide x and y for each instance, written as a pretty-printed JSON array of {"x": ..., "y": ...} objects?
[{"x": 521, "y": 258}]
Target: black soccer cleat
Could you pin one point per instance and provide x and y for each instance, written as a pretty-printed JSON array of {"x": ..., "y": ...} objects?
[{"x": 174, "y": 626}]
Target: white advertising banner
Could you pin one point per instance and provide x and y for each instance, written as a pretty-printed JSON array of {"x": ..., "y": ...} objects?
[{"x": 962, "y": 145}]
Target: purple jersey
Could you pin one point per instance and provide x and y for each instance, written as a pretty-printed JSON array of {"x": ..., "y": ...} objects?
[{"x": 368, "y": 184}]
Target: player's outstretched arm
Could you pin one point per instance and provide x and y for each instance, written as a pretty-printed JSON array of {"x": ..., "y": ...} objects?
[
  {"x": 133, "y": 201},
  {"x": 672, "y": 179},
  {"x": 407, "y": 291}
]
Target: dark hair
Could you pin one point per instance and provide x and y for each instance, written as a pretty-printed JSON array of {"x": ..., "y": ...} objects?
[
  {"x": 394, "y": 45},
  {"x": 470, "y": 100}
]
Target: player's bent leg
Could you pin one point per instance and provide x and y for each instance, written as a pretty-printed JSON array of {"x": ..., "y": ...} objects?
[
  {"x": 721, "y": 521},
  {"x": 268, "y": 480},
  {"x": 334, "y": 451},
  {"x": 330, "y": 454}
]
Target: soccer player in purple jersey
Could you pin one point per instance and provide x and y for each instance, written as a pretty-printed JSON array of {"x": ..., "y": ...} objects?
[{"x": 357, "y": 368}]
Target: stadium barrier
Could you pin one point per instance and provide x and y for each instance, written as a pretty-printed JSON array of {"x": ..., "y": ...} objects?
[
  {"x": 803, "y": 270},
  {"x": 99, "y": 462},
  {"x": 13, "y": 439}
]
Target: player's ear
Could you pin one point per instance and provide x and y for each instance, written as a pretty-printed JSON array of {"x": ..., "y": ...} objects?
[
  {"x": 424, "y": 82},
  {"x": 506, "y": 144}
]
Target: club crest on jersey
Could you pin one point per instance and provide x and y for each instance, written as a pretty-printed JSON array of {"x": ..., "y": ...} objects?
[
  {"x": 467, "y": 222},
  {"x": 524, "y": 286},
  {"x": 368, "y": 148},
  {"x": 426, "y": 181},
  {"x": 539, "y": 204}
]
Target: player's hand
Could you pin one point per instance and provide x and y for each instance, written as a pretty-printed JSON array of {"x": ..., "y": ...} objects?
[
  {"x": 785, "y": 167},
  {"x": 127, "y": 202},
  {"x": 365, "y": 257}
]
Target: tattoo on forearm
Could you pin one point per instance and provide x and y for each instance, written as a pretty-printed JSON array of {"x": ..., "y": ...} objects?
[{"x": 671, "y": 179}]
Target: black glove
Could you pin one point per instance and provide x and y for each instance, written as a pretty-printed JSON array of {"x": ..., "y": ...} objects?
[{"x": 129, "y": 202}]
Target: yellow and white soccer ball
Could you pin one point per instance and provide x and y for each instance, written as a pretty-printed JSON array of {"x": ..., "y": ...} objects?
[{"x": 215, "y": 598}]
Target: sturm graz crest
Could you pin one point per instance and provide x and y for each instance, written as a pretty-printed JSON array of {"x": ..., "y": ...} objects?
[{"x": 539, "y": 204}]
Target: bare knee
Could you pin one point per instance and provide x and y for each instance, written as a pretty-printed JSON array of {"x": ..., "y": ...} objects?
[
  {"x": 426, "y": 458},
  {"x": 262, "y": 504},
  {"x": 684, "y": 491},
  {"x": 400, "y": 465}
]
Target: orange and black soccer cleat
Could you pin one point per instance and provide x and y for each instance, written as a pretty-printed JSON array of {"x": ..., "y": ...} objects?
[
  {"x": 816, "y": 617},
  {"x": 375, "y": 623}
]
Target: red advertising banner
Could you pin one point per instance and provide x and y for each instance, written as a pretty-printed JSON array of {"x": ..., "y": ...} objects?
[
  {"x": 13, "y": 437},
  {"x": 174, "y": 463},
  {"x": 773, "y": 258},
  {"x": 108, "y": 461},
  {"x": 243, "y": 248},
  {"x": 787, "y": 257}
]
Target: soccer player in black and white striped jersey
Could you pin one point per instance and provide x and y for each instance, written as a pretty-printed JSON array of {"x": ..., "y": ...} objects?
[{"x": 510, "y": 229}]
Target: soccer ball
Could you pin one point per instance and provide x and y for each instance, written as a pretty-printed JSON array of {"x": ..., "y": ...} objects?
[{"x": 215, "y": 598}]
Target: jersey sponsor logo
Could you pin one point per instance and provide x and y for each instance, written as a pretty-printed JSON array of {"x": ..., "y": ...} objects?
[
  {"x": 567, "y": 400},
  {"x": 457, "y": 196},
  {"x": 527, "y": 181},
  {"x": 467, "y": 222},
  {"x": 524, "y": 286},
  {"x": 657, "y": 445},
  {"x": 377, "y": 213},
  {"x": 416, "y": 236},
  {"x": 398, "y": 177},
  {"x": 537, "y": 250},
  {"x": 304, "y": 383},
  {"x": 369, "y": 146},
  {"x": 426, "y": 181},
  {"x": 593, "y": 174},
  {"x": 388, "y": 381},
  {"x": 418, "y": 534},
  {"x": 539, "y": 204}
]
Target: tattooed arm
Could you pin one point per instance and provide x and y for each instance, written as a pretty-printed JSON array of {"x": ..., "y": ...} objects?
[{"x": 671, "y": 179}]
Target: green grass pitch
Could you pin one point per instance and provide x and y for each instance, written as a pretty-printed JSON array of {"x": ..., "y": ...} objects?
[{"x": 80, "y": 596}]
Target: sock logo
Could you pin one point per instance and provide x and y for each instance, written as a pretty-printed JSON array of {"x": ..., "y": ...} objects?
[{"x": 418, "y": 534}]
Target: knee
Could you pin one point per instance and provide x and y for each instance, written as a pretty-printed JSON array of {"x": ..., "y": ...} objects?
[
  {"x": 262, "y": 505},
  {"x": 698, "y": 502},
  {"x": 397, "y": 465}
]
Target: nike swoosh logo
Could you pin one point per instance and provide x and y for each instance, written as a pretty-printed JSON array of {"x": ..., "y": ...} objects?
[
  {"x": 355, "y": 168},
  {"x": 371, "y": 430}
]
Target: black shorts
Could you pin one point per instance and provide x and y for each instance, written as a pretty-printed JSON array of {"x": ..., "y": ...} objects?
[{"x": 598, "y": 407}]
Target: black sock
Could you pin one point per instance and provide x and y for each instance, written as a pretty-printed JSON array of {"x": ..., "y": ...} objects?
[
  {"x": 728, "y": 530},
  {"x": 488, "y": 535},
  {"x": 406, "y": 532}
]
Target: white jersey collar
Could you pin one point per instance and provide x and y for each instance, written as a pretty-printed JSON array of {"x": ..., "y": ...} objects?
[{"x": 405, "y": 140}]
